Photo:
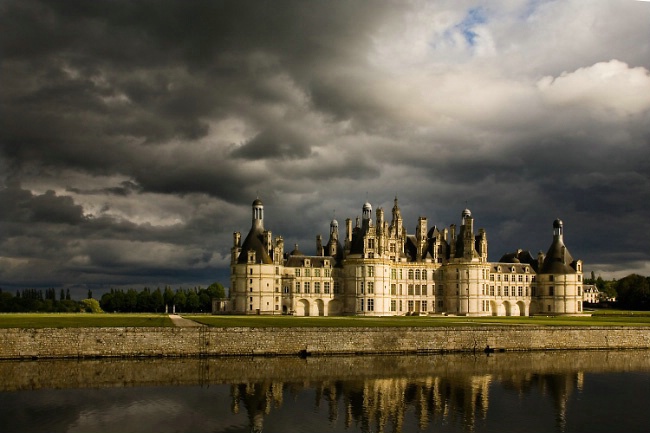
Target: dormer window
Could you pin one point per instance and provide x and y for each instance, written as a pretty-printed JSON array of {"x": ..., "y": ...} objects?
[{"x": 307, "y": 263}]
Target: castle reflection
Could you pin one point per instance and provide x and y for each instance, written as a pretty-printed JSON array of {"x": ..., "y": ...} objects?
[
  {"x": 357, "y": 393},
  {"x": 381, "y": 405}
]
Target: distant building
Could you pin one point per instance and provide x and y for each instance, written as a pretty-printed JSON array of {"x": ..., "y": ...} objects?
[
  {"x": 375, "y": 268},
  {"x": 591, "y": 294}
]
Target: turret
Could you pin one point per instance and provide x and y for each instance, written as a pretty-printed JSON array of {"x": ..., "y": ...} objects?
[
  {"x": 397, "y": 222},
  {"x": 258, "y": 215},
  {"x": 334, "y": 238},
  {"x": 367, "y": 215}
]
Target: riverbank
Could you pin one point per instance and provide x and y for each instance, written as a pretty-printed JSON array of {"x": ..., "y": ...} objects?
[{"x": 313, "y": 341}]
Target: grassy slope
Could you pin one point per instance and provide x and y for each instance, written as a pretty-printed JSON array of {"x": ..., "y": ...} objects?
[
  {"x": 81, "y": 320},
  {"x": 288, "y": 321},
  {"x": 78, "y": 320}
]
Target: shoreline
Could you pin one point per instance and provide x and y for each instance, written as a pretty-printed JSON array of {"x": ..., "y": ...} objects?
[{"x": 135, "y": 342}]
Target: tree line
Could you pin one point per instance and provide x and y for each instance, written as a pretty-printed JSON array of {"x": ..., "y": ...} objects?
[
  {"x": 39, "y": 300},
  {"x": 194, "y": 300}
]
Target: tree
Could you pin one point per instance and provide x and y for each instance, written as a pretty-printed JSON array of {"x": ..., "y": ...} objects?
[
  {"x": 192, "y": 303},
  {"x": 168, "y": 295},
  {"x": 131, "y": 300},
  {"x": 216, "y": 290},
  {"x": 179, "y": 300},
  {"x": 633, "y": 292},
  {"x": 157, "y": 300},
  {"x": 144, "y": 300},
  {"x": 91, "y": 305}
]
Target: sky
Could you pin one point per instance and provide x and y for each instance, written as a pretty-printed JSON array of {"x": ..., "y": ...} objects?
[{"x": 134, "y": 136}]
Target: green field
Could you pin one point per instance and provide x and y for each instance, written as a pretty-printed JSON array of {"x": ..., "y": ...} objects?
[
  {"x": 609, "y": 319},
  {"x": 81, "y": 320}
]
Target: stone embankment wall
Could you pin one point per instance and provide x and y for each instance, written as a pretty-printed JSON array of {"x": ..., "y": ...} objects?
[
  {"x": 124, "y": 372},
  {"x": 205, "y": 341}
]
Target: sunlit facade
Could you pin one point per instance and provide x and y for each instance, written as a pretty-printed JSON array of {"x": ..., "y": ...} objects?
[{"x": 375, "y": 268}]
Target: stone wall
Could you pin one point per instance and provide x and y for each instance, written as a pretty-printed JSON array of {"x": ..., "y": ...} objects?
[
  {"x": 121, "y": 372},
  {"x": 204, "y": 341}
]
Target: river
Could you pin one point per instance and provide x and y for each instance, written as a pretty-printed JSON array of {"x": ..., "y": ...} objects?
[{"x": 563, "y": 391}]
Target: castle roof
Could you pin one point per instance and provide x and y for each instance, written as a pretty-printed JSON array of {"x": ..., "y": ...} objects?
[{"x": 254, "y": 241}]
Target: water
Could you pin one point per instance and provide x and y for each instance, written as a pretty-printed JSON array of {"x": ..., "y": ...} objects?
[{"x": 591, "y": 392}]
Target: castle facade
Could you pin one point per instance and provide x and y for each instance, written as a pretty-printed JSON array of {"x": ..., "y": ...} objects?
[{"x": 376, "y": 268}]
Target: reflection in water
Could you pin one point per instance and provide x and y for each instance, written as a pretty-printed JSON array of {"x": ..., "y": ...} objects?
[
  {"x": 510, "y": 391},
  {"x": 381, "y": 405}
]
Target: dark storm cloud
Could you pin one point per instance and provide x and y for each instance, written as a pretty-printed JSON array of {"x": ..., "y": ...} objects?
[
  {"x": 135, "y": 135},
  {"x": 274, "y": 144}
]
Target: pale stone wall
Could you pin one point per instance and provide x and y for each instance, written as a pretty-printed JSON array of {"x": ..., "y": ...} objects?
[{"x": 143, "y": 342}]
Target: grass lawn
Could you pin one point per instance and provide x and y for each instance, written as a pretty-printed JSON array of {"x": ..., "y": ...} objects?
[
  {"x": 81, "y": 320},
  {"x": 289, "y": 321}
]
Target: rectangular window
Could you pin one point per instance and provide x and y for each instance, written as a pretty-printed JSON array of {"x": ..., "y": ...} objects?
[
  {"x": 393, "y": 274},
  {"x": 410, "y": 290},
  {"x": 371, "y": 287},
  {"x": 491, "y": 277},
  {"x": 337, "y": 287},
  {"x": 393, "y": 305},
  {"x": 410, "y": 274},
  {"x": 297, "y": 271},
  {"x": 307, "y": 272},
  {"x": 551, "y": 291},
  {"x": 506, "y": 291},
  {"x": 424, "y": 290},
  {"x": 393, "y": 290},
  {"x": 417, "y": 274},
  {"x": 417, "y": 290},
  {"x": 520, "y": 291},
  {"x": 326, "y": 287},
  {"x": 361, "y": 304},
  {"x": 328, "y": 273},
  {"x": 424, "y": 274},
  {"x": 361, "y": 287},
  {"x": 505, "y": 277},
  {"x": 317, "y": 287},
  {"x": 491, "y": 290},
  {"x": 317, "y": 272},
  {"x": 424, "y": 305},
  {"x": 371, "y": 271},
  {"x": 371, "y": 305},
  {"x": 520, "y": 278},
  {"x": 297, "y": 286},
  {"x": 410, "y": 306},
  {"x": 307, "y": 287}
]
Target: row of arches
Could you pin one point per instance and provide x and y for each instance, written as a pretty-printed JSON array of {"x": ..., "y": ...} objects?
[{"x": 313, "y": 307}]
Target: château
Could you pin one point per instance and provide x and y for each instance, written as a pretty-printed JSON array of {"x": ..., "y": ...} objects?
[{"x": 376, "y": 268}]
